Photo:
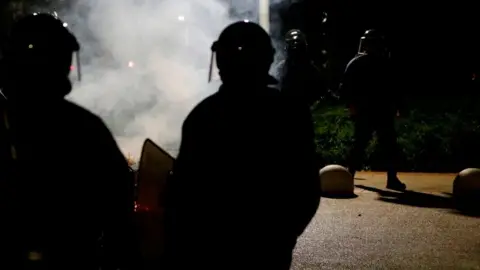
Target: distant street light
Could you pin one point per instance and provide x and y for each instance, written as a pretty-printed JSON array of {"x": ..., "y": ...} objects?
[{"x": 181, "y": 18}]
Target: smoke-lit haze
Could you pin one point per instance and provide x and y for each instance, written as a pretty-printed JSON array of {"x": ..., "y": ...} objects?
[{"x": 145, "y": 63}]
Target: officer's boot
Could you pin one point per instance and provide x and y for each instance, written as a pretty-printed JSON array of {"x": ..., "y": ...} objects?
[{"x": 394, "y": 183}]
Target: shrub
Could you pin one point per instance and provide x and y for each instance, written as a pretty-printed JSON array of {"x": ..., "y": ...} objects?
[{"x": 441, "y": 136}]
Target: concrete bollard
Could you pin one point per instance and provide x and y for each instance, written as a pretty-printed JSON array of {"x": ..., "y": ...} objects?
[{"x": 336, "y": 181}]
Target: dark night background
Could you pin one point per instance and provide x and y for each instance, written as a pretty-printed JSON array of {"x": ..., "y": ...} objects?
[{"x": 435, "y": 47}]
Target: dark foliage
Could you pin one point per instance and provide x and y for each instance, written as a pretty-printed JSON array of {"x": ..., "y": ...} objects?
[{"x": 437, "y": 135}]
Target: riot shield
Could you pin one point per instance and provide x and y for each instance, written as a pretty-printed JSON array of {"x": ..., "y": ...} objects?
[{"x": 154, "y": 169}]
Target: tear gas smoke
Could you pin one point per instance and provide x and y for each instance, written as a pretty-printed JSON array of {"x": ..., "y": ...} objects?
[{"x": 145, "y": 63}]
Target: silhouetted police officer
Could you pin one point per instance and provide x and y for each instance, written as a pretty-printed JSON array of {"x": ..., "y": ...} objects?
[
  {"x": 300, "y": 78},
  {"x": 245, "y": 184},
  {"x": 369, "y": 88},
  {"x": 68, "y": 183}
]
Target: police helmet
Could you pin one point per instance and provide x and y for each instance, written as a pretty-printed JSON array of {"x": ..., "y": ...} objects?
[
  {"x": 244, "y": 46},
  {"x": 41, "y": 40},
  {"x": 40, "y": 50},
  {"x": 372, "y": 41},
  {"x": 295, "y": 39}
]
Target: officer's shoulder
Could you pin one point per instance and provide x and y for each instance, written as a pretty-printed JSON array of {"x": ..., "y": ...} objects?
[
  {"x": 276, "y": 98},
  {"x": 274, "y": 93},
  {"x": 201, "y": 109},
  {"x": 359, "y": 58},
  {"x": 271, "y": 94},
  {"x": 82, "y": 116},
  {"x": 357, "y": 61},
  {"x": 205, "y": 104}
]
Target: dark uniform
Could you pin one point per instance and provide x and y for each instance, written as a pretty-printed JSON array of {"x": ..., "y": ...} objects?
[
  {"x": 300, "y": 78},
  {"x": 369, "y": 88},
  {"x": 244, "y": 185},
  {"x": 67, "y": 183}
]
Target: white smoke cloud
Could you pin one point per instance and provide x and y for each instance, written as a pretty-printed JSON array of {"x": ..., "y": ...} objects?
[{"x": 145, "y": 62}]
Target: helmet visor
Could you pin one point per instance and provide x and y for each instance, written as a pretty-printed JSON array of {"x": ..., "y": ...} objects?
[
  {"x": 213, "y": 72},
  {"x": 376, "y": 45},
  {"x": 75, "y": 74}
]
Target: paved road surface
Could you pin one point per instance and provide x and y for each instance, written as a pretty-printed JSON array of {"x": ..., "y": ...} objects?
[{"x": 381, "y": 229}]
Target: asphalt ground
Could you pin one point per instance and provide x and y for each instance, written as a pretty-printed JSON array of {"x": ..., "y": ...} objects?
[{"x": 383, "y": 229}]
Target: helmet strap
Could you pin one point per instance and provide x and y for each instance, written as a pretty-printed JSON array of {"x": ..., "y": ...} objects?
[
  {"x": 79, "y": 68},
  {"x": 210, "y": 70}
]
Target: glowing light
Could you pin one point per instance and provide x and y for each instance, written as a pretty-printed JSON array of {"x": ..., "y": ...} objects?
[
  {"x": 181, "y": 18},
  {"x": 72, "y": 67},
  {"x": 30, "y": 46},
  {"x": 130, "y": 160},
  {"x": 325, "y": 17},
  {"x": 140, "y": 208},
  {"x": 65, "y": 24},
  {"x": 131, "y": 64}
]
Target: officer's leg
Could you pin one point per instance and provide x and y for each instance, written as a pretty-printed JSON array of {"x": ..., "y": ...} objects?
[
  {"x": 362, "y": 135},
  {"x": 387, "y": 139},
  {"x": 279, "y": 255}
]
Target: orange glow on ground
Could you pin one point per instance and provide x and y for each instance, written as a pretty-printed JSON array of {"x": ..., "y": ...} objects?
[{"x": 131, "y": 160}]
